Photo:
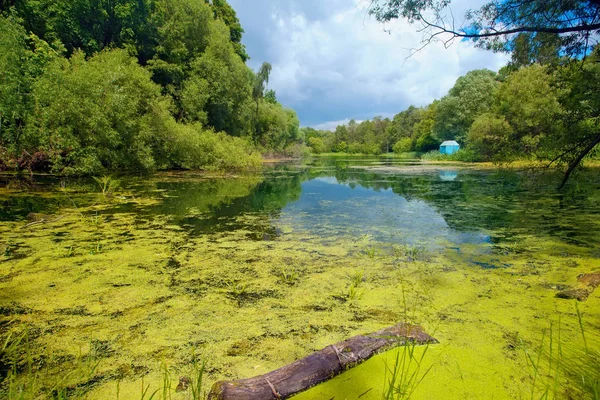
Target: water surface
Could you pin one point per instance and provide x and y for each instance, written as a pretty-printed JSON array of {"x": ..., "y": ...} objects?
[{"x": 251, "y": 272}]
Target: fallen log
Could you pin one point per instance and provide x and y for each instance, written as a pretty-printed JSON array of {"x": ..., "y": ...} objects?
[{"x": 320, "y": 366}]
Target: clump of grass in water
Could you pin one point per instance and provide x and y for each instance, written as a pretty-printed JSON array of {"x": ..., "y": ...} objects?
[
  {"x": 406, "y": 374},
  {"x": 353, "y": 292},
  {"x": 555, "y": 368},
  {"x": 237, "y": 292},
  {"x": 107, "y": 184},
  {"x": 70, "y": 252},
  {"x": 96, "y": 248},
  {"x": 165, "y": 391},
  {"x": 411, "y": 252},
  {"x": 289, "y": 276},
  {"x": 371, "y": 252},
  {"x": 22, "y": 381},
  {"x": 357, "y": 278}
]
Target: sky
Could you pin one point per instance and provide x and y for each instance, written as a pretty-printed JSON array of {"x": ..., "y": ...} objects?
[{"x": 332, "y": 62}]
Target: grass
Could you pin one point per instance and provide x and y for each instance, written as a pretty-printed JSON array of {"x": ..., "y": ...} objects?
[
  {"x": 357, "y": 278},
  {"x": 23, "y": 383},
  {"x": 371, "y": 252},
  {"x": 289, "y": 275},
  {"x": 107, "y": 184},
  {"x": 408, "y": 251},
  {"x": 165, "y": 391},
  {"x": 406, "y": 373},
  {"x": 560, "y": 367}
]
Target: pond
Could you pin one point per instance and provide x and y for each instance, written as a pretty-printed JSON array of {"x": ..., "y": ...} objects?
[{"x": 106, "y": 295}]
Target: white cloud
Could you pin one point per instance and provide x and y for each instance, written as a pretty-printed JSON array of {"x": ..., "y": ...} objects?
[
  {"x": 331, "y": 125},
  {"x": 332, "y": 61}
]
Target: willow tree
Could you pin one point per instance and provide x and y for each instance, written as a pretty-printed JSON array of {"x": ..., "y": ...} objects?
[{"x": 261, "y": 80}]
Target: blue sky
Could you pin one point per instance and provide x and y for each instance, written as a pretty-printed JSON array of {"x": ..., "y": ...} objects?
[{"x": 333, "y": 62}]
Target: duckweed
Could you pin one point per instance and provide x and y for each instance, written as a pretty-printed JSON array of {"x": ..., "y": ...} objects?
[{"x": 246, "y": 275}]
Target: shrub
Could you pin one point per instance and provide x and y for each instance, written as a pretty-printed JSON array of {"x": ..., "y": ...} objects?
[
  {"x": 317, "y": 145},
  {"x": 195, "y": 148},
  {"x": 465, "y": 155},
  {"x": 403, "y": 145}
]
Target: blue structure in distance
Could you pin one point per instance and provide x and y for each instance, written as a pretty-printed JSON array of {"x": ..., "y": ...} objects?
[{"x": 449, "y": 147}]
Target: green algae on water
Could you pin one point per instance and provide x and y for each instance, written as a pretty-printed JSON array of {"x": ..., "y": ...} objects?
[{"x": 227, "y": 270}]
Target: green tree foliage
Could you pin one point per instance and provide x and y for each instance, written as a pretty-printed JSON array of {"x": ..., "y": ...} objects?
[
  {"x": 15, "y": 82},
  {"x": 91, "y": 25},
  {"x": 316, "y": 144},
  {"x": 97, "y": 114},
  {"x": 259, "y": 84},
  {"x": 227, "y": 81},
  {"x": 117, "y": 84},
  {"x": 403, "y": 145},
  {"x": 489, "y": 136},
  {"x": 530, "y": 104},
  {"x": 223, "y": 11},
  {"x": 271, "y": 96},
  {"x": 535, "y": 32},
  {"x": 402, "y": 126},
  {"x": 471, "y": 95},
  {"x": 527, "y": 26}
]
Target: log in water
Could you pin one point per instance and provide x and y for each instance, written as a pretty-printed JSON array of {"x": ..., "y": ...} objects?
[{"x": 320, "y": 366}]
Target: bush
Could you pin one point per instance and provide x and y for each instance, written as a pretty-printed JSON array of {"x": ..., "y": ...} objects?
[
  {"x": 317, "y": 145},
  {"x": 91, "y": 115},
  {"x": 488, "y": 136},
  {"x": 464, "y": 155},
  {"x": 195, "y": 148},
  {"x": 341, "y": 147},
  {"x": 403, "y": 145},
  {"x": 364, "y": 148}
]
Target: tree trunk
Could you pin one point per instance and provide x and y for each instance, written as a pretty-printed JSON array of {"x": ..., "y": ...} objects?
[
  {"x": 576, "y": 162},
  {"x": 320, "y": 366}
]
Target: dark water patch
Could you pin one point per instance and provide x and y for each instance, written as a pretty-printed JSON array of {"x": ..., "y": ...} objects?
[{"x": 491, "y": 265}]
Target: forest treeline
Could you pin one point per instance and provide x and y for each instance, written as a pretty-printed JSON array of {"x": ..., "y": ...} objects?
[
  {"x": 87, "y": 87},
  {"x": 544, "y": 108}
]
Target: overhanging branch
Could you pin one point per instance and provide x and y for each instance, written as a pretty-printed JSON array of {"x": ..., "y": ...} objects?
[{"x": 534, "y": 29}]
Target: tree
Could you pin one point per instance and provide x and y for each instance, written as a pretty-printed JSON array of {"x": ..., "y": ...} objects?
[
  {"x": 403, "y": 145},
  {"x": 496, "y": 25},
  {"x": 91, "y": 25},
  {"x": 533, "y": 30},
  {"x": 402, "y": 126},
  {"x": 530, "y": 104},
  {"x": 489, "y": 135},
  {"x": 471, "y": 96},
  {"x": 98, "y": 114},
  {"x": 261, "y": 80},
  {"x": 15, "y": 83},
  {"x": 581, "y": 112},
  {"x": 271, "y": 96},
  {"x": 226, "y": 13},
  {"x": 423, "y": 130},
  {"x": 316, "y": 144}
]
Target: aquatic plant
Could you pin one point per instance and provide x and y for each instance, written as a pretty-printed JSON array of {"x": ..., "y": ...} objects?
[
  {"x": 237, "y": 292},
  {"x": 559, "y": 367},
  {"x": 357, "y": 278},
  {"x": 351, "y": 293},
  {"x": 371, "y": 252},
  {"x": 410, "y": 252},
  {"x": 8, "y": 250},
  {"x": 70, "y": 251},
  {"x": 23, "y": 381},
  {"x": 406, "y": 373},
  {"x": 96, "y": 248},
  {"x": 289, "y": 275},
  {"x": 199, "y": 368},
  {"x": 107, "y": 184},
  {"x": 165, "y": 390}
]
